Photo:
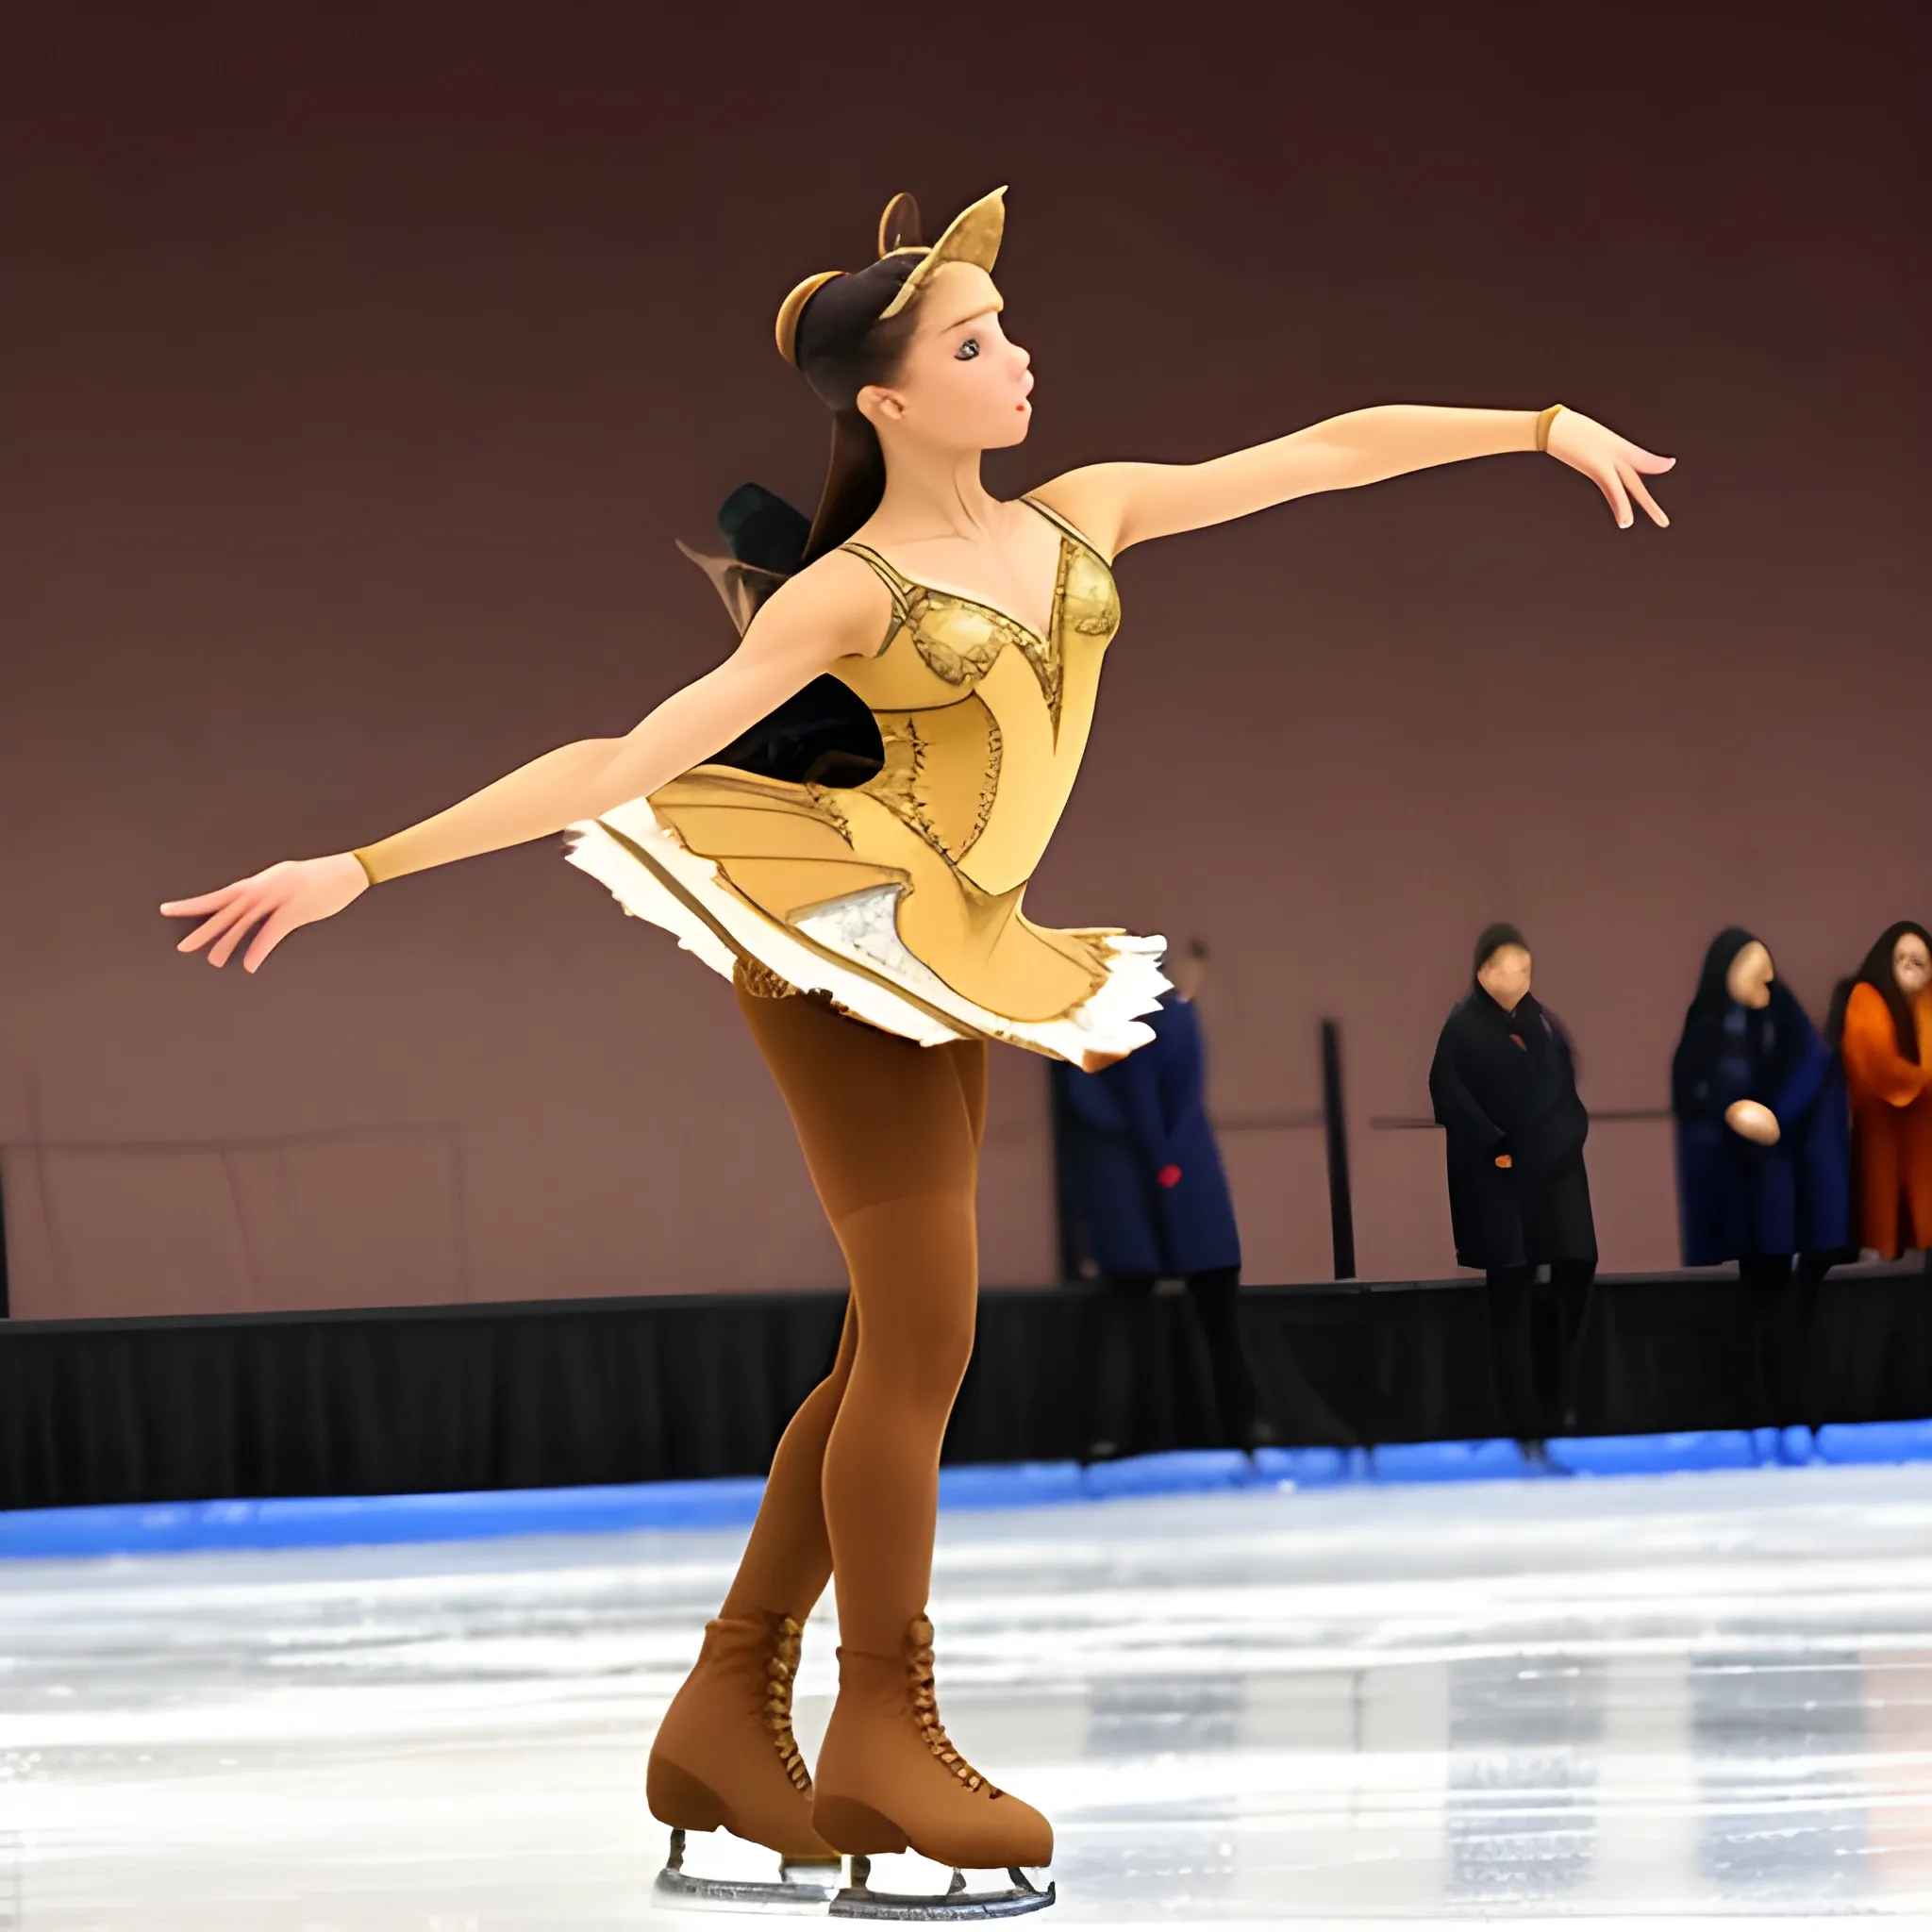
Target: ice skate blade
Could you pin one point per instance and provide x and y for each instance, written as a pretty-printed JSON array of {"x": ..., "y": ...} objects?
[
  {"x": 859, "y": 1901},
  {"x": 800, "y": 1886}
]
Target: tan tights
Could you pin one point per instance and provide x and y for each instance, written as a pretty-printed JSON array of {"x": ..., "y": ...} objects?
[{"x": 891, "y": 1133}]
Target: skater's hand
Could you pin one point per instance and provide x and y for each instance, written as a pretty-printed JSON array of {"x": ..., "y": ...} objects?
[
  {"x": 1168, "y": 1176},
  {"x": 298, "y": 891},
  {"x": 1616, "y": 466},
  {"x": 1504, "y": 1160},
  {"x": 1753, "y": 1121}
]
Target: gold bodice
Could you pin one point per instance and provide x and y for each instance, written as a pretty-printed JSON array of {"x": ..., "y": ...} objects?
[{"x": 983, "y": 722}]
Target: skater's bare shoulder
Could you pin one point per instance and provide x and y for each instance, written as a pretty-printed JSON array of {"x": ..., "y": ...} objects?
[{"x": 836, "y": 607}]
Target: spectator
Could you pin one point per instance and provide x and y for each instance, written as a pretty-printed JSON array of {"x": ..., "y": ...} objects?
[
  {"x": 1504, "y": 1084},
  {"x": 1763, "y": 1157},
  {"x": 1145, "y": 1187},
  {"x": 1882, "y": 1024}
]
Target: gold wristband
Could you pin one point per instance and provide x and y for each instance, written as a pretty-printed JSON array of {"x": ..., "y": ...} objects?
[
  {"x": 1545, "y": 419},
  {"x": 361, "y": 858}
]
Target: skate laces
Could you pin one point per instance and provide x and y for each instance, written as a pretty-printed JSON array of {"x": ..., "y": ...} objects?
[
  {"x": 779, "y": 1674},
  {"x": 925, "y": 1711}
]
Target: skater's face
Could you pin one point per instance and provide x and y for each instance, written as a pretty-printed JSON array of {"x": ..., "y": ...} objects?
[
  {"x": 960, "y": 385},
  {"x": 1911, "y": 964},
  {"x": 1504, "y": 976},
  {"x": 1748, "y": 982}
]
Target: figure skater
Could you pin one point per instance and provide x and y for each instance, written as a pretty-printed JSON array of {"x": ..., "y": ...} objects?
[{"x": 874, "y": 934}]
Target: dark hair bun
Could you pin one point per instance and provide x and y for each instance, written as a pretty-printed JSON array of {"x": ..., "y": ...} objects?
[{"x": 841, "y": 346}]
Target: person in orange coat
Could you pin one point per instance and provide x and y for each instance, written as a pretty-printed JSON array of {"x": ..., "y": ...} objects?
[{"x": 1884, "y": 1031}]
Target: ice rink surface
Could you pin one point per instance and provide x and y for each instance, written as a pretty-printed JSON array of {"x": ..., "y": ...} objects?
[{"x": 1679, "y": 1700}]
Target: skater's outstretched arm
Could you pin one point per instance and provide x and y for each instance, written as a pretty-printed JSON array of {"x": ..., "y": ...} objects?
[
  {"x": 836, "y": 609},
  {"x": 1119, "y": 504}
]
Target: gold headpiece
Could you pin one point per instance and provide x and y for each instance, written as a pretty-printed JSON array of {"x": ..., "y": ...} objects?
[{"x": 972, "y": 235}]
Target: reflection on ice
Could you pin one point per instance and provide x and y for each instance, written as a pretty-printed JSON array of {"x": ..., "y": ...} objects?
[{"x": 1630, "y": 1699}]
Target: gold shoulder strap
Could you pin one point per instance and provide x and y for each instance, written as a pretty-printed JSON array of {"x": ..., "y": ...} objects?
[
  {"x": 1053, "y": 517},
  {"x": 894, "y": 582},
  {"x": 896, "y": 587}
]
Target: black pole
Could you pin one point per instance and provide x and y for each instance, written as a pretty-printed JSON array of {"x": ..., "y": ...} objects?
[{"x": 1340, "y": 1203}]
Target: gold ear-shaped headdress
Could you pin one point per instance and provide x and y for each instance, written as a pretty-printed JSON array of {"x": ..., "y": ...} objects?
[
  {"x": 900, "y": 227},
  {"x": 972, "y": 235}
]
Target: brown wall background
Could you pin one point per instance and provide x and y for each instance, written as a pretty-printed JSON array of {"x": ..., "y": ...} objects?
[{"x": 359, "y": 367}]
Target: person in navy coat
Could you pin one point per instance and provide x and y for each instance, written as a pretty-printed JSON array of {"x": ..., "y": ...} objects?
[
  {"x": 1149, "y": 1202},
  {"x": 1763, "y": 1155}
]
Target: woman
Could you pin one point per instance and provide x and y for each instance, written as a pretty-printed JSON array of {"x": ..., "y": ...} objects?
[
  {"x": 877, "y": 940},
  {"x": 1151, "y": 1203},
  {"x": 1882, "y": 1024},
  {"x": 1762, "y": 1156},
  {"x": 1504, "y": 1083}
]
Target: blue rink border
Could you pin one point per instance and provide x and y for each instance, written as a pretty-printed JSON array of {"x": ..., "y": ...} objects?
[{"x": 729, "y": 1503}]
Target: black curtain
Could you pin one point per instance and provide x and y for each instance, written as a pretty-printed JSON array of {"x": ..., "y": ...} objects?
[{"x": 604, "y": 1392}]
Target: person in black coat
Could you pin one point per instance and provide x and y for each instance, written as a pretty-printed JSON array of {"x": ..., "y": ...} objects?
[
  {"x": 1149, "y": 1202},
  {"x": 1504, "y": 1084}
]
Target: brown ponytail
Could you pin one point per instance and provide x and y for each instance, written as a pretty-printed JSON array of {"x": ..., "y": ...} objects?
[{"x": 844, "y": 347}]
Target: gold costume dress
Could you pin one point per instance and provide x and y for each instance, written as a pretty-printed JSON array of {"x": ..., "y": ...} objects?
[{"x": 901, "y": 898}]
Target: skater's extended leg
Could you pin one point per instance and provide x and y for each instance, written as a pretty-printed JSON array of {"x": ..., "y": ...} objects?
[
  {"x": 719, "y": 1760},
  {"x": 914, "y": 1269},
  {"x": 788, "y": 1556},
  {"x": 724, "y": 1753},
  {"x": 891, "y": 1132}
]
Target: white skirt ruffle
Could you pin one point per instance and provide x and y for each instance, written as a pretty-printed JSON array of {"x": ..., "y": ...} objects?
[{"x": 850, "y": 948}]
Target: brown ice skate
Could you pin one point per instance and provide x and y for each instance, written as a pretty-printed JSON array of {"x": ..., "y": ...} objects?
[
  {"x": 725, "y": 1759},
  {"x": 891, "y": 1780}
]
